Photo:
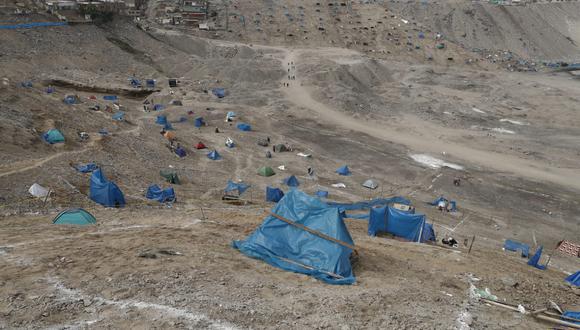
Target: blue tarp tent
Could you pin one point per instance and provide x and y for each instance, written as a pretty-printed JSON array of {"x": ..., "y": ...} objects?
[
  {"x": 401, "y": 224},
  {"x": 291, "y": 248},
  {"x": 510, "y": 245},
  {"x": 535, "y": 259},
  {"x": 179, "y": 151},
  {"x": 90, "y": 167},
  {"x": 322, "y": 193},
  {"x": 572, "y": 315},
  {"x": 150, "y": 83},
  {"x": 244, "y": 127},
  {"x": 214, "y": 155},
  {"x": 105, "y": 192},
  {"x": 53, "y": 136},
  {"x": 135, "y": 82},
  {"x": 161, "y": 195},
  {"x": 199, "y": 122},
  {"x": 274, "y": 194},
  {"x": 161, "y": 120},
  {"x": 343, "y": 170},
  {"x": 453, "y": 204},
  {"x": 291, "y": 181},
  {"x": 574, "y": 279},
  {"x": 71, "y": 99},
  {"x": 239, "y": 187},
  {"x": 219, "y": 92},
  {"x": 157, "y": 107},
  {"x": 119, "y": 116},
  {"x": 168, "y": 127},
  {"x": 110, "y": 98}
]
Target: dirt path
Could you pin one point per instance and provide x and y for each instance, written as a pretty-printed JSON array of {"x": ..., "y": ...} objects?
[{"x": 428, "y": 141}]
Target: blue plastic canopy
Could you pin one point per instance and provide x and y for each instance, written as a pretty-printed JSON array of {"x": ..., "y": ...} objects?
[
  {"x": 274, "y": 194},
  {"x": 343, "y": 170},
  {"x": 291, "y": 181},
  {"x": 412, "y": 227},
  {"x": 572, "y": 315},
  {"x": 214, "y": 155},
  {"x": 574, "y": 279},
  {"x": 105, "y": 192},
  {"x": 453, "y": 204},
  {"x": 244, "y": 127},
  {"x": 168, "y": 127},
  {"x": 199, "y": 122},
  {"x": 53, "y": 136},
  {"x": 510, "y": 245},
  {"x": 161, "y": 120},
  {"x": 535, "y": 259},
  {"x": 119, "y": 116},
  {"x": 87, "y": 168},
  {"x": 291, "y": 248},
  {"x": 110, "y": 98},
  {"x": 180, "y": 151},
  {"x": 322, "y": 193},
  {"x": 154, "y": 192},
  {"x": 240, "y": 187},
  {"x": 219, "y": 92}
]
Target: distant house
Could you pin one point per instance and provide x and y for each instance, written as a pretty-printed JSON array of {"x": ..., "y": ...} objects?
[{"x": 194, "y": 11}]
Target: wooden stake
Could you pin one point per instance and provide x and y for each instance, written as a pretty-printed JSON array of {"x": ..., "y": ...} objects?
[
  {"x": 471, "y": 245},
  {"x": 202, "y": 214}
]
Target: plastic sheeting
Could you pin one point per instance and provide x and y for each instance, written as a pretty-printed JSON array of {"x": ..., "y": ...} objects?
[
  {"x": 119, "y": 116},
  {"x": 154, "y": 192},
  {"x": 294, "y": 249},
  {"x": 199, "y": 122},
  {"x": 343, "y": 170},
  {"x": 150, "y": 83},
  {"x": 168, "y": 127},
  {"x": 572, "y": 315},
  {"x": 239, "y": 187},
  {"x": 291, "y": 181},
  {"x": 179, "y": 151},
  {"x": 105, "y": 192},
  {"x": 535, "y": 259},
  {"x": 219, "y": 92},
  {"x": 412, "y": 227},
  {"x": 515, "y": 246},
  {"x": 161, "y": 120},
  {"x": 38, "y": 191},
  {"x": 574, "y": 279},
  {"x": 274, "y": 194},
  {"x": 322, "y": 193},
  {"x": 110, "y": 98},
  {"x": 87, "y": 168},
  {"x": 244, "y": 127}
]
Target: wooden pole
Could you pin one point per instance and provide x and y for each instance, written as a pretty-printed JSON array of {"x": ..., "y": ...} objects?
[
  {"x": 471, "y": 245},
  {"x": 202, "y": 214}
]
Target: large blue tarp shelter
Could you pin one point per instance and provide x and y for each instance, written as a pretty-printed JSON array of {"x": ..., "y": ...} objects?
[
  {"x": 87, "y": 168},
  {"x": 574, "y": 279},
  {"x": 289, "y": 247},
  {"x": 343, "y": 170},
  {"x": 105, "y": 192},
  {"x": 53, "y": 136},
  {"x": 199, "y": 122},
  {"x": 154, "y": 192},
  {"x": 110, "y": 98},
  {"x": 239, "y": 187},
  {"x": 412, "y": 227},
  {"x": 510, "y": 245},
  {"x": 291, "y": 181},
  {"x": 219, "y": 92},
  {"x": 214, "y": 155},
  {"x": 572, "y": 315},
  {"x": 244, "y": 127},
  {"x": 150, "y": 83},
  {"x": 274, "y": 194},
  {"x": 535, "y": 259},
  {"x": 161, "y": 120}
]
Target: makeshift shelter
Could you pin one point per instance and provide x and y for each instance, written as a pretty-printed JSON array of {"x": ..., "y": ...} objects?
[
  {"x": 150, "y": 83},
  {"x": 26, "y": 84},
  {"x": 170, "y": 176},
  {"x": 219, "y": 92},
  {"x": 199, "y": 122},
  {"x": 38, "y": 191},
  {"x": 238, "y": 188},
  {"x": 266, "y": 171},
  {"x": 230, "y": 143},
  {"x": 230, "y": 116},
  {"x": 172, "y": 82},
  {"x": 105, "y": 192},
  {"x": 78, "y": 216},
  {"x": 119, "y": 116},
  {"x": 244, "y": 127},
  {"x": 49, "y": 90},
  {"x": 321, "y": 193},
  {"x": 214, "y": 155},
  {"x": 263, "y": 142},
  {"x": 110, "y": 98},
  {"x": 158, "y": 107},
  {"x": 180, "y": 151},
  {"x": 441, "y": 199},
  {"x": 343, "y": 170},
  {"x": 71, "y": 99},
  {"x": 177, "y": 102},
  {"x": 567, "y": 315},
  {"x": 291, "y": 181},
  {"x": 154, "y": 192},
  {"x": 135, "y": 82},
  {"x": 168, "y": 127},
  {"x": 53, "y": 136},
  {"x": 280, "y": 148},
  {"x": 412, "y": 227},
  {"x": 515, "y": 246},
  {"x": 274, "y": 194},
  {"x": 371, "y": 184},
  {"x": 574, "y": 279},
  {"x": 303, "y": 235},
  {"x": 200, "y": 146},
  {"x": 161, "y": 120},
  {"x": 535, "y": 259},
  {"x": 87, "y": 168}
]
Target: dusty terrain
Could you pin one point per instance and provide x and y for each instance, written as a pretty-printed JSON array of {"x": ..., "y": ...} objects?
[{"x": 512, "y": 137}]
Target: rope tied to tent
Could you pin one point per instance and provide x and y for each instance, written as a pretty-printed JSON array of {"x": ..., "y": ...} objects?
[{"x": 312, "y": 231}]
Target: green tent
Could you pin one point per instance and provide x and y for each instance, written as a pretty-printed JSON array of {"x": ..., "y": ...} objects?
[
  {"x": 75, "y": 217},
  {"x": 266, "y": 171},
  {"x": 170, "y": 176}
]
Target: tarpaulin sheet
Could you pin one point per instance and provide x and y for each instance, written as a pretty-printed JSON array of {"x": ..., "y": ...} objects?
[
  {"x": 154, "y": 192},
  {"x": 87, "y": 168},
  {"x": 274, "y": 194},
  {"x": 105, "y": 192},
  {"x": 399, "y": 223},
  {"x": 574, "y": 279},
  {"x": 517, "y": 246},
  {"x": 240, "y": 187}
]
